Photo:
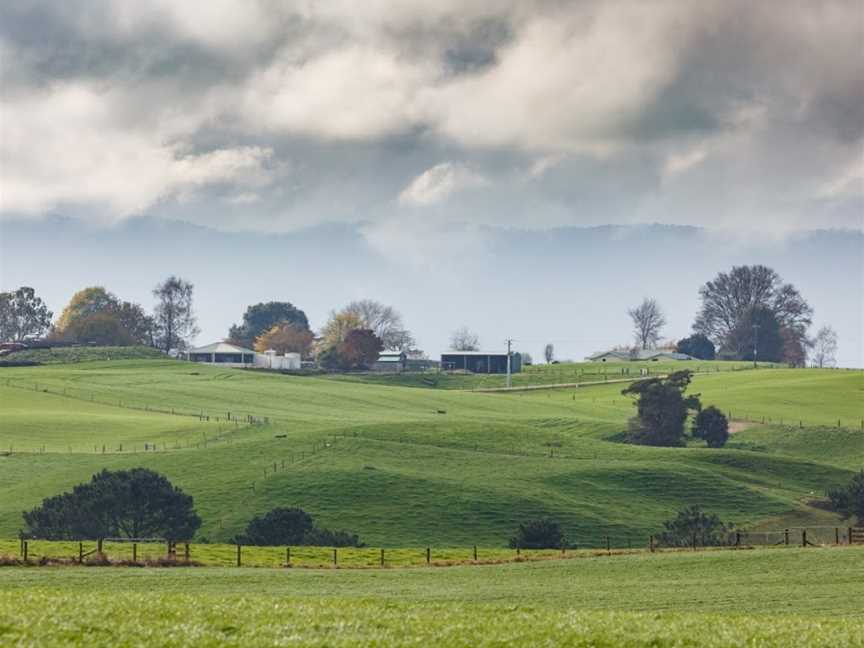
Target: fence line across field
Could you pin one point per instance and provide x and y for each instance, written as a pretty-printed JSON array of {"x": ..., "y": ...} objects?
[{"x": 160, "y": 551}]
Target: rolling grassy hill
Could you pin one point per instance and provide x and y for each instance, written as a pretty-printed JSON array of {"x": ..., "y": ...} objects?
[{"x": 404, "y": 466}]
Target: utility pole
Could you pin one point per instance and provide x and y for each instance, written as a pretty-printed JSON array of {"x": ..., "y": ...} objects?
[
  {"x": 755, "y": 343},
  {"x": 509, "y": 353}
]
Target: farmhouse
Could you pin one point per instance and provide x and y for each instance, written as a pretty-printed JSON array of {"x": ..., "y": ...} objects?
[
  {"x": 481, "y": 361},
  {"x": 231, "y": 355},
  {"x": 650, "y": 355}
]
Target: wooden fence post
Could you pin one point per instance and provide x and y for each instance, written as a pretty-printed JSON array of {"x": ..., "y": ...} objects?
[
  {"x": 651, "y": 543},
  {"x": 836, "y": 535},
  {"x": 80, "y": 553},
  {"x": 238, "y": 555},
  {"x": 803, "y": 537},
  {"x": 99, "y": 546},
  {"x": 428, "y": 555},
  {"x": 186, "y": 551},
  {"x": 287, "y": 556},
  {"x": 26, "y": 550},
  {"x": 334, "y": 555},
  {"x": 608, "y": 547},
  {"x": 786, "y": 536},
  {"x": 134, "y": 552},
  {"x": 475, "y": 552}
]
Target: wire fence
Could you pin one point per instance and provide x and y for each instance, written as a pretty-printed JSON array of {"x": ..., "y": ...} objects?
[{"x": 160, "y": 552}]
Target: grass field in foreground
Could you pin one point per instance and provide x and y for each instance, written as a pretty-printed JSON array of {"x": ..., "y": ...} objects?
[
  {"x": 766, "y": 598},
  {"x": 407, "y": 467}
]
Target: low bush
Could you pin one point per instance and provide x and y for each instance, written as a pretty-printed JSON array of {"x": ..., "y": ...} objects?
[{"x": 541, "y": 533}]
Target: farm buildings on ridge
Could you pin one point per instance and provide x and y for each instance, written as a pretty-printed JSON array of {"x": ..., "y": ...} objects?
[{"x": 652, "y": 355}]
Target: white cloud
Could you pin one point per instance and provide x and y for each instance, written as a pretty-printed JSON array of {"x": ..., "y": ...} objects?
[
  {"x": 355, "y": 92},
  {"x": 620, "y": 98},
  {"x": 849, "y": 182},
  {"x": 66, "y": 145},
  {"x": 437, "y": 184},
  {"x": 681, "y": 162}
]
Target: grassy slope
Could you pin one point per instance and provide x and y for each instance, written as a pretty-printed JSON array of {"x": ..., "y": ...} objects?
[
  {"x": 570, "y": 372},
  {"x": 66, "y": 355},
  {"x": 765, "y": 598},
  {"x": 406, "y": 474}
]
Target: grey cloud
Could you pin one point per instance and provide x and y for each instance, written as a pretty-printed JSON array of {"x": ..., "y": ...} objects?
[{"x": 709, "y": 112}]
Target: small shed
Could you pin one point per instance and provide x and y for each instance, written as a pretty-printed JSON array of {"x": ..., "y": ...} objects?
[
  {"x": 222, "y": 353},
  {"x": 390, "y": 361},
  {"x": 488, "y": 362}
]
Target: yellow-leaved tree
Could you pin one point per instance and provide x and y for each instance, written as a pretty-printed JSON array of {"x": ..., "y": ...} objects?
[{"x": 285, "y": 338}]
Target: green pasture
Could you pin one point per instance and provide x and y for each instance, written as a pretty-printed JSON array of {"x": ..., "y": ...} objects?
[
  {"x": 742, "y": 598},
  {"x": 542, "y": 374},
  {"x": 407, "y": 467}
]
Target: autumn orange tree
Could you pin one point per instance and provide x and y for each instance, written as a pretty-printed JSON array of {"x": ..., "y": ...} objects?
[{"x": 285, "y": 338}]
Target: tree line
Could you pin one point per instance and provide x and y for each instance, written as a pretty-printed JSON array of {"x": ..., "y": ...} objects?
[
  {"x": 352, "y": 337},
  {"x": 96, "y": 316},
  {"x": 748, "y": 313}
]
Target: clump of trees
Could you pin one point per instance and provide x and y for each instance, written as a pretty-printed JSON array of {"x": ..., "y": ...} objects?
[
  {"x": 359, "y": 349},
  {"x": 262, "y": 318},
  {"x": 285, "y": 338},
  {"x": 849, "y": 500},
  {"x": 662, "y": 409},
  {"x": 136, "y": 503},
  {"x": 354, "y": 337},
  {"x": 693, "y": 525},
  {"x": 384, "y": 321},
  {"x": 96, "y": 316},
  {"x": 698, "y": 346},
  {"x": 750, "y": 313},
  {"x": 293, "y": 526},
  {"x": 541, "y": 533},
  {"x": 23, "y": 315}
]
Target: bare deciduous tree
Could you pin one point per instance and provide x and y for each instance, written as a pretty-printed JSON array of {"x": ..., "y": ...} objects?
[
  {"x": 825, "y": 347},
  {"x": 463, "y": 339},
  {"x": 384, "y": 321},
  {"x": 549, "y": 353},
  {"x": 648, "y": 320},
  {"x": 173, "y": 316}
]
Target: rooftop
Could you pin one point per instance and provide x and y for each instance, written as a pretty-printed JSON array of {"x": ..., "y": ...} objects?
[{"x": 220, "y": 347}]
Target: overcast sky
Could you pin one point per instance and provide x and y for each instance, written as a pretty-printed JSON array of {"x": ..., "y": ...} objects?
[
  {"x": 430, "y": 132},
  {"x": 270, "y": 115}
]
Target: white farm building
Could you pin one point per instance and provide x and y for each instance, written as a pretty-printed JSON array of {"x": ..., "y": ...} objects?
[{"x": 226, "y": 354}]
